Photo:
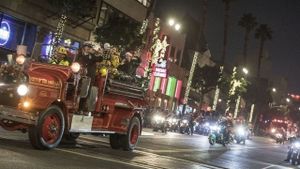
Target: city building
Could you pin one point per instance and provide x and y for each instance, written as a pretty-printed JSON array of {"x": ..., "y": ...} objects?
[
  {"x": 168, "y": 77},
  {"x": 33, "y": 23}
]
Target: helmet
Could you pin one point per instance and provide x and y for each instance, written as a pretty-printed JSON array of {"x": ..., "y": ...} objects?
[
  {"x": 96, "y": 46},
  {"x": 88, "y": 43},
  {"x": 62, "y": 50},
  {"x": 106, "y": 46},
  {"x": 103, "y": 71}
]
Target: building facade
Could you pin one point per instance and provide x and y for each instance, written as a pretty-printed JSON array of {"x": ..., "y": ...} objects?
[{"x": 33, "y": 23}]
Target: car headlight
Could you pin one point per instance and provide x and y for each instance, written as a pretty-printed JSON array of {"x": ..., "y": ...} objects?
[
  {"x": 75, "y": 67},
  {"x": 22, "y": 90}
]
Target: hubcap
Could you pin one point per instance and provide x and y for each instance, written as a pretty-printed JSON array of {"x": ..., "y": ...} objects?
[{"x": 51, "y": 128}]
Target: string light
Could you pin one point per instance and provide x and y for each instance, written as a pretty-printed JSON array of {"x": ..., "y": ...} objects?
[{"x": 58, "y": 34}]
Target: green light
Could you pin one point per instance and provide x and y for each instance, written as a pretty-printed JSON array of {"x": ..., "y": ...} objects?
[
  {"x": 156, "y": 83},
  {"x": 171, "y": 87}
]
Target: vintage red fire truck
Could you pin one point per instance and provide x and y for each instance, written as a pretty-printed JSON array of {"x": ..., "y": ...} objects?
[{"x": 44, "y": 101}]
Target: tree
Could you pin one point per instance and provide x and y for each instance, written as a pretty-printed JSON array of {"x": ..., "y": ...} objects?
[
  {"x": 205, "y": 79},
  {"x": 262, "y": 33},
  {"x": 68, "y": 9},
  {"x": 120, "y": 31},
  {"x": 247, "y": 21},
  {"x": 226, "y": 21}
]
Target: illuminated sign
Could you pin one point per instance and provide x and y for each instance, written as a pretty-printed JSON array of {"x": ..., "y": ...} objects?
[{"x": 4, "y": 33}]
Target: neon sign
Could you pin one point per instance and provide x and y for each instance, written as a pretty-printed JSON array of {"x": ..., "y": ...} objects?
[{"x": 4, "y": 33}]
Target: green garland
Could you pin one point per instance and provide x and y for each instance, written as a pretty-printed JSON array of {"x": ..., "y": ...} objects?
[{"x": 12, "y": 74}]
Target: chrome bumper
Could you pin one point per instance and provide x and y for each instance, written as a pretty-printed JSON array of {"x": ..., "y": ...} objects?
[{"x": 16, "y": 115}]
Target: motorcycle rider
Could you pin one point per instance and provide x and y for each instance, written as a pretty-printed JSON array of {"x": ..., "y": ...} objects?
[{"x": 226, "y": 122}]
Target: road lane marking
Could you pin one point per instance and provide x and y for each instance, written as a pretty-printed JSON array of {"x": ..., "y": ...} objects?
[
  {"x": 110, "y": 159},
  {"x": 202, "y": 163},
  {"x": 268, "y": 166}
]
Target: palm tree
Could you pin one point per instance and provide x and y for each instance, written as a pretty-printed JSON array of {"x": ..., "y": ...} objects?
[
  {"x": 262, "y": 33},
  {"x": 226, "y": 21},
  {"x": 204, "y": 15},
  {"x": 247, "y": 21}
]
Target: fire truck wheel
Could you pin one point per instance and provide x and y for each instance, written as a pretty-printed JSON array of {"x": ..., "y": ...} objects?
[
  {"x": 130, "y": 140},
  {"x": 114, "y": 140},
  {"x": 49, "y": 130}
]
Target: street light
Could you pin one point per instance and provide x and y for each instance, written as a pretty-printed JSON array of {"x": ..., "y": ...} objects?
[
  {"x": 274, "y": 89},
  {"x": 177, "y": 27},
  {"x": 171, "y": 22},
  {"x": 245, "y": 70},
  {"x": 220, "y": 100}
]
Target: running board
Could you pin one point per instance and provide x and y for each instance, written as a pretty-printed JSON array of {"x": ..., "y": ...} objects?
[{"x": 91, "y": 131}]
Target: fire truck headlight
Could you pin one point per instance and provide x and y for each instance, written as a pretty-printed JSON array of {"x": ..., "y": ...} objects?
[
  {"x": 75, "y": 67},
  {"x": 22, "y": 90},
  {"x": 20, "y": 59}
]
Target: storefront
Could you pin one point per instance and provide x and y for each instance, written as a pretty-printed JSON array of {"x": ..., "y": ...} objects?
[
  {"x": 14, "y": 32},
  {"x": 68, "y": 43}
]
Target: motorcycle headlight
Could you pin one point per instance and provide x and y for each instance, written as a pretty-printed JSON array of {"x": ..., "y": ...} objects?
[
  {"x": 206, "y": 124},
  {"x": 241, "y": 131},
  {"x": 278, "y": 135},
  {"x": 22, "y": 90},
  {"x": 215, "y": 128},
  {"x": 273, "y": 130},
  {"x": 174, "y": 120},
  {"x": 158, "y": 118},
  {"x": 184, "y": 121},
  {"x": 296, "y": 145}
]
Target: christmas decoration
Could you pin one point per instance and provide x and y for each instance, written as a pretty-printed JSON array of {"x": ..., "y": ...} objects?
[{"x": 12, "y": 74}]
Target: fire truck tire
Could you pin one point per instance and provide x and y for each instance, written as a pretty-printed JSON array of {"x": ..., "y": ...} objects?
[
  {"x": 115, "y": 142},
  {"x": 130, "y": 140},
  {"x": 48, "y": 132}
]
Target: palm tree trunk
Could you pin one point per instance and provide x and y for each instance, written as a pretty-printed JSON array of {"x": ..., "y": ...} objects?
[
  {"x": 226, "y": 20},
  {"x": 204, "y": 15},
  {"x": 246, "y": 47},
  {"x": 260, "y": 56}
]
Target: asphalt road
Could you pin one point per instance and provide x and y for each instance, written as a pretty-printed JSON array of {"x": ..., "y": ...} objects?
[{"x": 155, "y": 150}]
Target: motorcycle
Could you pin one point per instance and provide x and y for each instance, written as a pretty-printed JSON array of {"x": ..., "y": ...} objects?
[
  {"x": 173, "y": 124},
  {"x": 240, "y": 135},
  {"x": 279, "y": 138},
  {"x": 184, "y": 127},
  {"x": 203, "y": 129},
  {"x": 294, "y": 153},
  {"x": 159, "y": 123},
  {"x": 217, "y": 136}
]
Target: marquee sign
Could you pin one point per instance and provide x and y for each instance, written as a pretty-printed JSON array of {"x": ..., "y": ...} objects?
[{"x": 4, "y": 33}]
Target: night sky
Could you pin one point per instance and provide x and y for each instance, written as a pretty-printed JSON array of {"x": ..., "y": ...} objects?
[{"x": 281, "y": 15}]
